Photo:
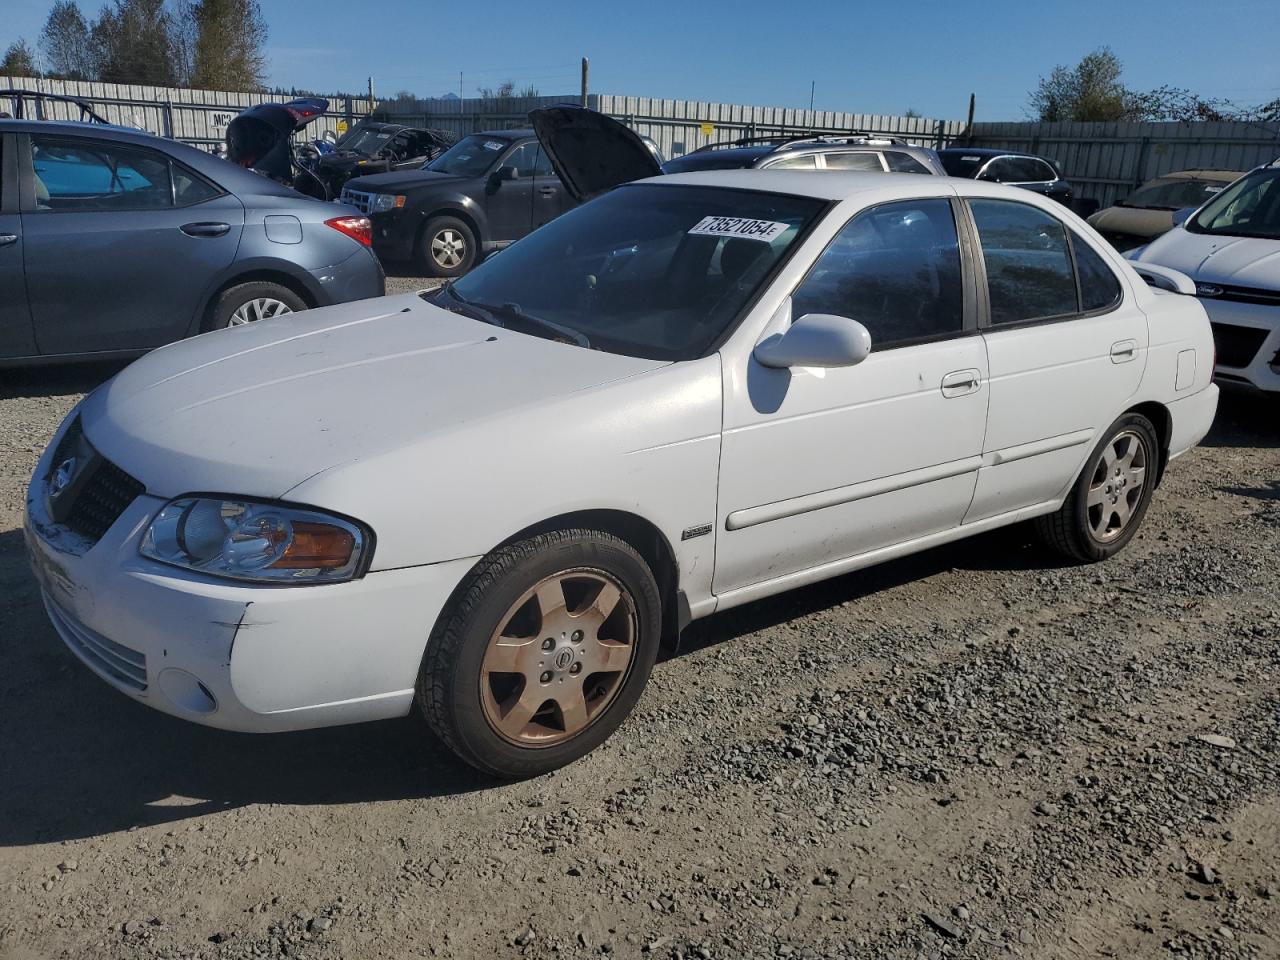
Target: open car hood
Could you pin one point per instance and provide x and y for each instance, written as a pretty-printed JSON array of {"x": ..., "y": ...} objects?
[{"x": 592, "y": 153}]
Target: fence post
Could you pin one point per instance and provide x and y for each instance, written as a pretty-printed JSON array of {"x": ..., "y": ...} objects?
[
  {"x": 1142, "y": 162},
  {"x": 168, "y": 119}
]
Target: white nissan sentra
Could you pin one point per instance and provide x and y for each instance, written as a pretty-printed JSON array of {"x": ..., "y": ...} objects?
[{"x": 495, "y": 499}]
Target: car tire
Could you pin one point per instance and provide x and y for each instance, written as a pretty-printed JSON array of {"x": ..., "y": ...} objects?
[
  {"x": 1110, "y": 497},
  {"x": 568, "y": 675},
  {"x": 447, "y": 247},
  {"x": 250, "y": 302}
]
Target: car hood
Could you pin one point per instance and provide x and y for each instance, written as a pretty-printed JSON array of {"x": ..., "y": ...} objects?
[
  {"x": 258, "y": 409},
  {"x": 402, "y": 180},
  {"x": 1240, "y": 261},
  {"x": 1134, "y": 221}
]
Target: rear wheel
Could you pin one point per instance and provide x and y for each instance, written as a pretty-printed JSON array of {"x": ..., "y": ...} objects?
[
  {"x": 1106, "y": 506},
  {"x": 447, "y": 247},
  {"x": 543, "y": 652},
  {"x": 250, "y": 302}
]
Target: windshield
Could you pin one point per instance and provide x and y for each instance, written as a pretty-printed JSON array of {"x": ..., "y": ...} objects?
[
  {"x": 1172, "y": 194},
  {"x": 961, "y": 164},
  {"x": 654, "y": 271},
  {"x": 469, "y": 157},
  {"x": 1250, "y": 207},
  {"x": 367, "y": 141}
]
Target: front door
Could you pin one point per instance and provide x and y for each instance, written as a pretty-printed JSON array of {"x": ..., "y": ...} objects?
[
  {"x": 1066, "y": 347},
  {"x": 509, "y": 203},
  {"x": 120, "y": 242},
  {"x": 15, "y": 318},
  {"x": 822, "y": 465}
]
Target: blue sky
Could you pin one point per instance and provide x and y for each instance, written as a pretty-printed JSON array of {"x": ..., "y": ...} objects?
[{"x": 865, "y": 57}]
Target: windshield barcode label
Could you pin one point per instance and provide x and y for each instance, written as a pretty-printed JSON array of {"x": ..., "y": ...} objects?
[{"x": 766, "y": 230}]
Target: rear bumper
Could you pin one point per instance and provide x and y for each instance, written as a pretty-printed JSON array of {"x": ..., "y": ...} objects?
[
  {"x": 1191, "y": 419},
  {"x": 359, "y": 277},
  {"x": 1247, "y": 339}
]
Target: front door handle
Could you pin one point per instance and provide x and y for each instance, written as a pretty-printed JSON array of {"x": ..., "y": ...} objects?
[
  {"x": 547, "y": 191},
  {"x": 1123, "y": 351},
  {"x": 206, "y": 229},
  {"x": 961, "y": 383},
  {"x": 7, "y": 239}
]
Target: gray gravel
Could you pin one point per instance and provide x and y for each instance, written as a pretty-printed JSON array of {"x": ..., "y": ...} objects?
[{"x": 976, "y": 752}]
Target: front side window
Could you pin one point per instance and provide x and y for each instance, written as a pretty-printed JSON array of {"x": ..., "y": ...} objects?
[
  {"x": 647, "y": 270},
  {"x": 84, "y": 175},
  {"x": 1029, "y": 274},
  {"x": 524, "y": 158},
  {"x": 853, "y": 161},
  {"x": 904, "y": 163},
  {"x": 470, "y": 157},
  {"x": 1250, "y": 207},
  {"x": 895, "y": 269}
]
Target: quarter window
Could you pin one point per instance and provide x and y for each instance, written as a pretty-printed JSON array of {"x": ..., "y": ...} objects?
[
  {"x": 904, "y": 163},
  {"x": 853, "y": 161},
  {"x": 1099, "y": 287},
  {"x": 1029, "y": 275},
  {"x": 805, "y": 162},
  {"x": 189, "y": 189},
  {"x": 78, "y": 175},
  {"x": 895, "y": 269}
]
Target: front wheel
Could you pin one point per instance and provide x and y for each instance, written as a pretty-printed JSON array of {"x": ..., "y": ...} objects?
[
  {"x": 1105, "y": 507},
  {"x": 542, "y": 653},
  {"x": 447, "y": 247}
]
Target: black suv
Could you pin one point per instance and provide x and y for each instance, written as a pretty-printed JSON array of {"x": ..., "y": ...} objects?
[
  {"x": 483, "y": 193},
  {"x": 1002, "y": 166},
  {"x": 811, "y": 151}
]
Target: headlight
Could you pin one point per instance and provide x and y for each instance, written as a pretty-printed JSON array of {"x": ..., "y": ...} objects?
[
  {"x": 263, "y": 542},
  {"x": 383, "y": 202}
]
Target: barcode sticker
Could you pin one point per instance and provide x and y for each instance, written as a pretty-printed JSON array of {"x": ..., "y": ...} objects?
[{"x": 742, "y": 227}]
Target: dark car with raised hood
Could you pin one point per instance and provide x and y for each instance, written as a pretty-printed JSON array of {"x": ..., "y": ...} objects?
[{"x": 486, "y": 191}]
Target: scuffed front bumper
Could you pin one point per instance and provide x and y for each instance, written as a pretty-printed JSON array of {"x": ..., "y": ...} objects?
[{"x": 231, "y": 655}]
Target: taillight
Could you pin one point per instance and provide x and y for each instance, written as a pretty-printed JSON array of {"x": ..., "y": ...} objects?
[{"x": 359, "y": 229}]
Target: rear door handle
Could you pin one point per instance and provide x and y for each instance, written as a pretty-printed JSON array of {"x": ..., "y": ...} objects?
[
  {"x": 961, "y": 382},
  {"x": 206, "y": 229},
  {"x": 7, "y": 239},
  {"x": 1123, "y": 351}
]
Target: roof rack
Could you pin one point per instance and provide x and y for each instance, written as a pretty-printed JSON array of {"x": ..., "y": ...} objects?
[
  {"x": 780, "y": 140},
  {"x": 19, "y": 97}
]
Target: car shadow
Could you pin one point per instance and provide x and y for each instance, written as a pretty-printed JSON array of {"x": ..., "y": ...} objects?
[{"x": 55, "y": 380}]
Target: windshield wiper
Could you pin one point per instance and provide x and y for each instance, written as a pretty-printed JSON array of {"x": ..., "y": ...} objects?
[{"x": 512, "y": 313}]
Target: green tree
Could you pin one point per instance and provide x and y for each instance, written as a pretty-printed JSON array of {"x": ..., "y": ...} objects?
[
  {"x": 19, "y": 61},
  {"x": 230, "y": 35},
  {"x": 132, "y": 42},
  {"x": 65, "y": 43},
  {"x": 1091, "y": 90}
]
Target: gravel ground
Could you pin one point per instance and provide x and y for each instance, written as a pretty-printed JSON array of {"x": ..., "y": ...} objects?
[{"x": 976, "y": 752}]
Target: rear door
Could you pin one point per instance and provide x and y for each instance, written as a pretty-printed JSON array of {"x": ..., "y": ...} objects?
[
  {"x": 1066, "y": 349},
  {"x": 16, "y": 339},
  {"x": 145, "y": 236},
  {"x": 550, "y": 198}
]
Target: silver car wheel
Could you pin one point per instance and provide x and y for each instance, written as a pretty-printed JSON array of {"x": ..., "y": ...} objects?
[
  {"x": 261, "y": 308},
  {"x": 448, "y": 248},
  {"x": 1115, "y": 490}
]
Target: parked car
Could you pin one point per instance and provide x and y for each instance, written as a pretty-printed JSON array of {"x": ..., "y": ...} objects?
[
  {"x": 371, "y": 148},
  {"x": 815, "y": 151},
  {"x": 1148, "y": 212},
  {"x": 494, "y": 499},
  {"x": 486, "y": 191},
  {"x": 1230, "y": 247},
  {"x": 1002, "y": 166},
  {"x": 115, "y": 241}
]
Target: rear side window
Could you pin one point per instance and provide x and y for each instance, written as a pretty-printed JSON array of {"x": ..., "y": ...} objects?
[
  {"x": 1099, "y": 287},
  {"x": 542, "y": 166},
  {"x": 853, "y": 161},
  {"x": 85, "y": 175},
  {"x": 904, "y": 163},
  {"x": 1028, "y": 262},
  {"x": 895, "y": 269}
]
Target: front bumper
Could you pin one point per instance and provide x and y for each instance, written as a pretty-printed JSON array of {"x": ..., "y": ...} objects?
[
  {"x": 394, "y": 233},
  {"x": 1247, "y": 337},
  {"x": 233, "y": 655}
]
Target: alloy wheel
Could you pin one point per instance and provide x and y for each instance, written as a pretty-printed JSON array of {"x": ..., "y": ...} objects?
[
  {"x": 1116, "y": 487},
  {"x": 448, "y": 248},
  {"x": 261, "y": 308},
  {"x": 558, "y": 657}
]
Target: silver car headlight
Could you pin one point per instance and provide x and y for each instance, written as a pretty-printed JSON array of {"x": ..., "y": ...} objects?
[
  {"x": 383, "y": 202},
  {"x": 261, "y": 542}
]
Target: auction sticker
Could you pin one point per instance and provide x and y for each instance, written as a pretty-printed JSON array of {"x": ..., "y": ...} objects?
[{"x": 744, "y": 227}]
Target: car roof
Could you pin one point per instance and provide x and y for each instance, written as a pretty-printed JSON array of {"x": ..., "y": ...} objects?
[
  {"x": 503, "y": 134},
  {"x": 77, "y": 127}
]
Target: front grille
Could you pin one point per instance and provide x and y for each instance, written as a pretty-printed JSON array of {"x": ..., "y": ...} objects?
[
  {"x": 359, "y": 199},
  {"x": 93, "y": 503},
  {"x": 1268, "y": 298},
  {"x": 1236, "y": 346},
  {"x": 113, "y": 660}
]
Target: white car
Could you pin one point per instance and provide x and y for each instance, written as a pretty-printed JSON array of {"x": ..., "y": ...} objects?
[
  {"x": 690, "y": 393},
  {"x": 1230, "y": 248}
]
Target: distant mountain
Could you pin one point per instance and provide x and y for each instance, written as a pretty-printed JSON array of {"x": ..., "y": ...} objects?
[{"x": 449, "y": 96}]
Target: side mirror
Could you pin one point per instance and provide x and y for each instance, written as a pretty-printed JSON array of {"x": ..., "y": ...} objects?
[
  {"x": 508, "y": 173},
  {"x": 816, "y": 340}
]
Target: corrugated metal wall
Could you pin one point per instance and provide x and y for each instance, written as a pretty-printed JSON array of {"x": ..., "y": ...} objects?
[
  {"x": 198, "y": 117},
  {"x": 1105, "y": 161}
]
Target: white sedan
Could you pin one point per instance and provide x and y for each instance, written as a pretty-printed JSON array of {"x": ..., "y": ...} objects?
[{"x": 495, "y": 499}]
